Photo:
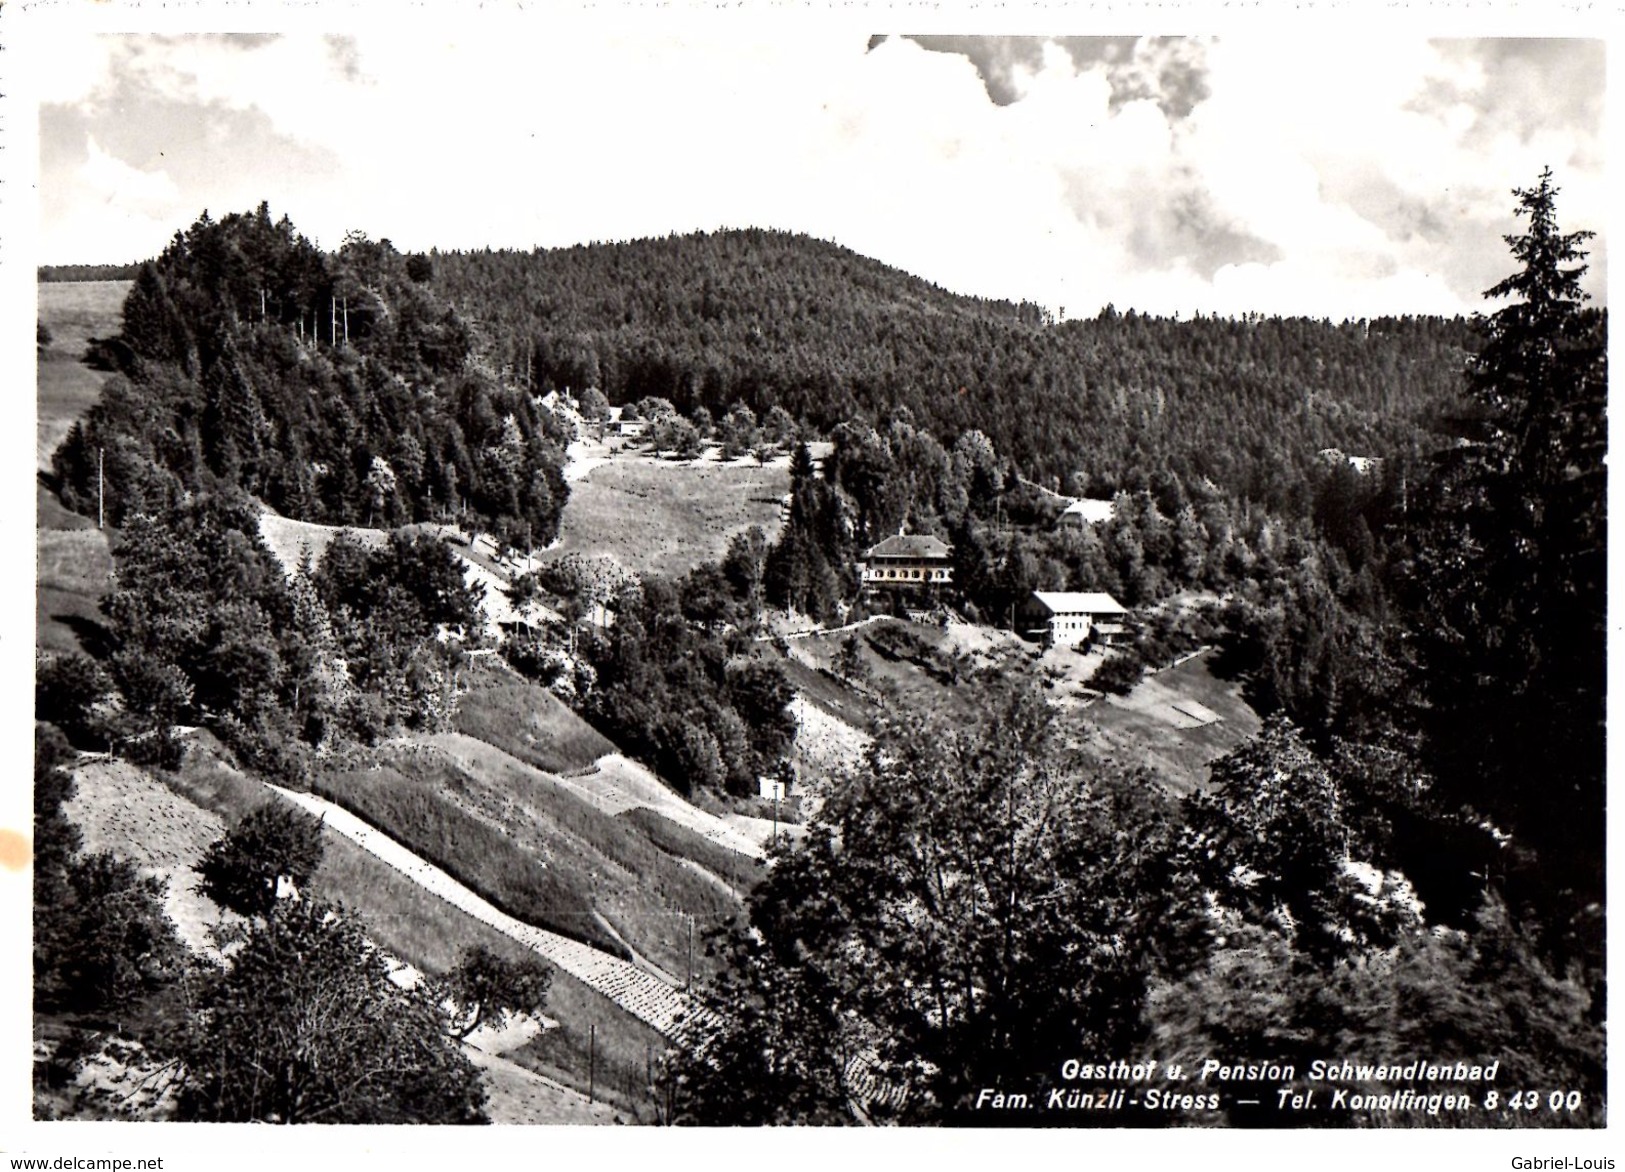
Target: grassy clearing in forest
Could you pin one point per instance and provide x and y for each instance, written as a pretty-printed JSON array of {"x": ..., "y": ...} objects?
[
  {"x": 1146, "y": 728},
  {"x": 654, "y": 516}
]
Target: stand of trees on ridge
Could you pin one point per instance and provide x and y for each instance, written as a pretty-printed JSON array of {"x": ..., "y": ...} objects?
[
  {"x": 771, "y": 319},
  {"x": 334, "y": 387}
]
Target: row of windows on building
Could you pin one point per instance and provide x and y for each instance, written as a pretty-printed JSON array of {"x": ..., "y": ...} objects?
[{"x": 906, "y": 575}]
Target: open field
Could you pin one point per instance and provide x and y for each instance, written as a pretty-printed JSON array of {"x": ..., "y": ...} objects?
[
  {"x": 417, "y": 809},
  {"x": 736, "y": 871},
  {"x": 517, "y": 1095},
  {"x": 122, "y": 809},
  {"x": 74, "y": 312},
  {"x": 521, "y": 720},
  {"x": 616, "y": 784},
  {"x": 1176, "y": 722},
  {"x": 921, "y": 664},
  {"x": 290, "y": 540},
  {"x": 527, "y": 722},
  {"x": 73, "y": 561},
  {"x": 666, "y": 517},
  {"x": 824, "y": 743},
  {"x": 596, "y": 1042},
  {"x": 72, "y": 573}
]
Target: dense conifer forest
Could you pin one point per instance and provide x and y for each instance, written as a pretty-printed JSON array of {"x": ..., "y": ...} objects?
[{"x": 774, "y": 319}]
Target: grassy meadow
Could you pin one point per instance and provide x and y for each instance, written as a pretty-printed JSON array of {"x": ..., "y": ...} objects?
[
  {"x": 72, "y": 560},
  {"x": 661, "y": 517},
  {"x": 527, "y": 722},
  {"x": 74, "y": 312},
  {"x": 1147, "y": 727}
]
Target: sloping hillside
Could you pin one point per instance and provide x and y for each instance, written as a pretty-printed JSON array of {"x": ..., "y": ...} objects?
[
  {"x": 121, "y": 809},
  {"x": 72, "y": 556},
  {"x": 1175, "y": 722},
  {"x": 163, "y": 822}
]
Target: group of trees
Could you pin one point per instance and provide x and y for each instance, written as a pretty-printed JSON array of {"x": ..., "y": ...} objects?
[
  {"x": 1162, "y": 537},
  {"x": 205, "y": 628},
  {"x": 974, "y": 906},
  {"x": 737, "y": 431},
  {"x": 681, "y": 685},
  {"x": 334, "y": 387},
  {"x": 772, "y": 319}
]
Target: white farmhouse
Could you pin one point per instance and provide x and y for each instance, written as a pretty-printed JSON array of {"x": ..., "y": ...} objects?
[{"x": 1069, "y": 618}]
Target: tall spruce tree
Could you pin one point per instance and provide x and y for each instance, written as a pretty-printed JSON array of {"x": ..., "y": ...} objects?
[{"x": 1511, "y": 572}]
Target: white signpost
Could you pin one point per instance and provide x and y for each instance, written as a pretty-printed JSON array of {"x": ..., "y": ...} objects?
[{"x": 772, "y": 787}]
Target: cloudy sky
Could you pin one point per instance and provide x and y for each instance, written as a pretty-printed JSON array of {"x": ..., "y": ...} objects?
[{"x": 1337, "y": 175}]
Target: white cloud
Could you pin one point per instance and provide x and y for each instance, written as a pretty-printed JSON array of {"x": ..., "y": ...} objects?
[
  {"x": 1311, "y": 177},
  {"x": 124, "y": 187},
  {"x": 113, "y": 205}
]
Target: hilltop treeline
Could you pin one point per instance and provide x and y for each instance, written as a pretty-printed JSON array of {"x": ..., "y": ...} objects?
[
  {"x": 103, "y": 272},
  {"x": 334, "y": 387},
  {"x": 774, "y": 319}
]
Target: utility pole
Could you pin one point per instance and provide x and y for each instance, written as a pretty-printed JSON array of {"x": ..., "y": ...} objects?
[
  {"x": 592, "y": 1055},
  {"x": 333, "y": 320},
  {"x": 690, "y": 983},
  {"x": 100, "y": 492},
  {"x": 346, "y": 321}
]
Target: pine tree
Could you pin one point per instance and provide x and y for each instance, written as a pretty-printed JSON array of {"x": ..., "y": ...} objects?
[{"x": 1510, "y": 572}]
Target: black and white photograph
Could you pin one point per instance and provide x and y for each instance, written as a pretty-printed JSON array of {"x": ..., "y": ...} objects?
[{"x": 724, "y": 573}]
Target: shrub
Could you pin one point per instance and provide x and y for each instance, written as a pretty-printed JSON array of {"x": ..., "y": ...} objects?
[
  {"x": 1119, "y": 673},
  {"x": 67, "y": 690},
  {"x": 241, "y": 871}
]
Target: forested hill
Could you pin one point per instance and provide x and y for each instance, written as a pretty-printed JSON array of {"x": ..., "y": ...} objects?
[
  {"x": 334, "y": 387},
  {"x": 774, "y": 318}
]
